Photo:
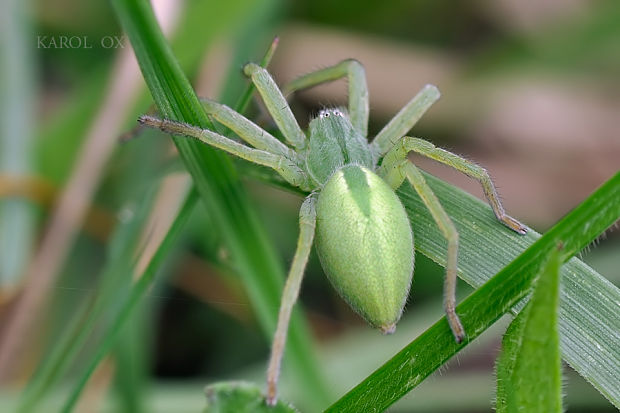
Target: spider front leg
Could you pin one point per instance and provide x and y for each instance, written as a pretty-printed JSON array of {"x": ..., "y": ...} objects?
[
  {"x": 404, "y": 120},
  {"x": 281, "y": 164},
  {"x": 307, "y": 223},
  {"x": 425, "y": 148},
  {"x": 246, "y": 129},
  {"x": 358, "y": 89},
  {"x": 276, "y": 105}
]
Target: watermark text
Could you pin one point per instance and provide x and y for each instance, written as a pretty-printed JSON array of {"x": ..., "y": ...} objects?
[{"x": 79, "y": 42}]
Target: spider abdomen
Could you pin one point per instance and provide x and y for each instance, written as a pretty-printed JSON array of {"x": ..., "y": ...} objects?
[{"x": 365, "y": 244}]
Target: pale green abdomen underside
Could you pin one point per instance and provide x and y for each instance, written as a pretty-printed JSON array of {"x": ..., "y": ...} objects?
[{"x": 365, "y": 244}]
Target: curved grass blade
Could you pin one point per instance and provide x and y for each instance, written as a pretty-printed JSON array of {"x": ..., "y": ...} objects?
[
  {"x": 218, "y": 186},
  {"x": 529, "y": 369},
  {"x": 82, "y": 326},
  {"x": 588, "y": 322},
  {"x": 589, "y": 338}
]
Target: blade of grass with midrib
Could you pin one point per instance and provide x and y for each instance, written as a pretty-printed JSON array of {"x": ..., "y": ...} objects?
[{"x": 588, "y": 321}]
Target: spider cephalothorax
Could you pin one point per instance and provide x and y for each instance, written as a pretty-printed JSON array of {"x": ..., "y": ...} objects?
[
  {"x": 332, "y": 143},
  {"x": 363, "y": 236}
]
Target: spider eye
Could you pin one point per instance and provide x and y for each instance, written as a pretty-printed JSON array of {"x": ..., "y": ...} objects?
[{"x": 326, "y": 114}]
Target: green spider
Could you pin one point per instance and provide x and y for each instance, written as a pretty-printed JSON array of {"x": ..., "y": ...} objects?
[{"x": 363, "y": 237}]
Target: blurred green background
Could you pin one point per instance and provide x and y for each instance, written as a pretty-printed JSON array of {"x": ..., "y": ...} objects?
[{"x": 530, "y": 91}]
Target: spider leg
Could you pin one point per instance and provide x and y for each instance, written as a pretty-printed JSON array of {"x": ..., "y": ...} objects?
[
  {"x": 246, "y": 129},
  {"x": 405, "y": 169},
  {"x": 358, "y": 89},
  {"x": 283, "y": 165},
  {"x": 276, "y": 105},
  {"x": 465, "y": 166},
  {"x": 404, "y": 120},
  {"x": 307, "y": 222}
]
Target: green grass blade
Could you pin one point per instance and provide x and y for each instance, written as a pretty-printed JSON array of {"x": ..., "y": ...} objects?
[
  {"x": 133, "y": 298},
  {"x": 246, "y": 97},
  {"x": 589, "y": 339},
  {"x": 589, "y": 326},
  {"x": 529, "y": 369},
  {"x": 218, "y": 186}
]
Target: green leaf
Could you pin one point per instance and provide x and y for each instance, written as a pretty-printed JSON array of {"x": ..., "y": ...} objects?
[
  {"x": 529, "y": 374},
  {"x": 241, "y": 397},
  {"x": 589, "y": 335},
  {"x": 589, "y": 331}
]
